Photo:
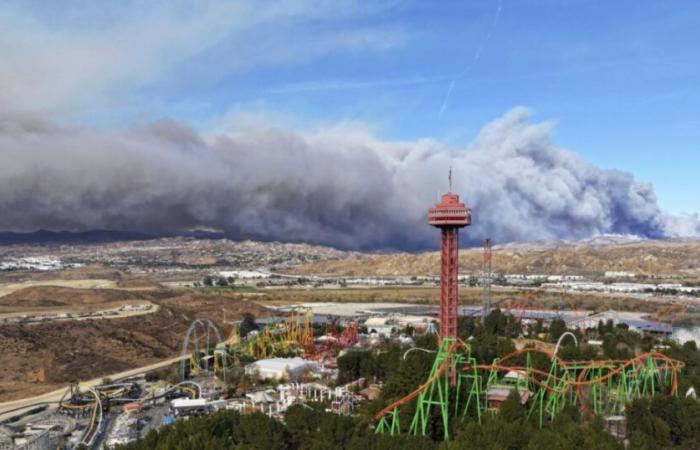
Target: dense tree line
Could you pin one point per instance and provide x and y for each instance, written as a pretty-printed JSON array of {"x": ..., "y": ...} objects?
[
  {"x": 373, "y": 365},
  {"x": 664, "y": 422},
  {"x": 310, "y": 428},
  {"x": 306, "y": 428},
  {"x": 660, "y": 422},
  {"x": 511, "y": 429}
]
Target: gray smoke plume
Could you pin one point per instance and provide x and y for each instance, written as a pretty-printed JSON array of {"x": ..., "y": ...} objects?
[{"x": 340, "y": 187}]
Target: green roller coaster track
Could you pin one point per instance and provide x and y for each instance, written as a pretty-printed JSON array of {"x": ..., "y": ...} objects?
[{"x": 596, "y": 387}]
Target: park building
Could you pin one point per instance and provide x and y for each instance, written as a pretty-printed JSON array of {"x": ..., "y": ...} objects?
[{"x": 291, "y": 369}]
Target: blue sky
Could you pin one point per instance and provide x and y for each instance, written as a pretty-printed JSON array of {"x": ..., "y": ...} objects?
[{"x": 620, "y": 78}]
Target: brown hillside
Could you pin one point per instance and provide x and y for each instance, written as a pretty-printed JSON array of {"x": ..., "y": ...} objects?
[
  {"x": 40, "y": 357},
  {"x": 46, "y": 297},
  {"x": 90, "y": 272},
  {"x": 645, "y": 258}
]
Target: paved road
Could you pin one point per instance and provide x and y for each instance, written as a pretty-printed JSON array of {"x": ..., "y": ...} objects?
[{"x": 55, "y": 396}]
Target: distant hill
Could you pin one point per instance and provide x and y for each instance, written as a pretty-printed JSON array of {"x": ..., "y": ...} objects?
[
  {"x": 92, "y": 236},
  {"x": 642, "y": 257},
  {"x": 589, "y": 257}
]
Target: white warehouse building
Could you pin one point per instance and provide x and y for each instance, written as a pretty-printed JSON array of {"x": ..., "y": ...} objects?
[
  {"x": 277, "y": 368},
  {"x": 381, "y": 325}
]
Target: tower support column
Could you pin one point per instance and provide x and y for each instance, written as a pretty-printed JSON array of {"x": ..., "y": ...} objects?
[{"x": 449, "y": 294}]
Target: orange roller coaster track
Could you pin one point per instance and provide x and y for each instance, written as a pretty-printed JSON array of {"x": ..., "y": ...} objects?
[{"x": 546, "y": 384}]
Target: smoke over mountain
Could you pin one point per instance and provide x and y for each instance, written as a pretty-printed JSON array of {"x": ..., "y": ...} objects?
[{"x": 341, "y": 186}]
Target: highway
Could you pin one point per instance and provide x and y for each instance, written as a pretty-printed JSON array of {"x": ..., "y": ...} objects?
[{"x": 54, "y": 396}]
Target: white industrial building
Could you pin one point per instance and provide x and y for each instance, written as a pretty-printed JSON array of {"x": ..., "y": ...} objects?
[
  {"x": 277, "y": 368},
  {"x": 383, "y": 326},
  {"x": 185, "y": 406},
  {"x": 244, "y": 274}
]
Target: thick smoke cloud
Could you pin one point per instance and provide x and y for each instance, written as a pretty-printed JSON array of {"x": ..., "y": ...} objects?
[{"x": 341, "y": 186}]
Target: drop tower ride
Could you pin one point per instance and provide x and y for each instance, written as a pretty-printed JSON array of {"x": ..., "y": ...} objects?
[{"x": 449, "y": 215}]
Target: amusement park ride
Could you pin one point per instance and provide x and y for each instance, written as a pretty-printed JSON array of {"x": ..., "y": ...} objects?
[
  {"x": 596, "y": 387},
  {"x": 94, "y": 401},
  {"x": 449, "y": 215},
  {"x": 458, "y": 385},
  {"x": 204, "y": 352}
]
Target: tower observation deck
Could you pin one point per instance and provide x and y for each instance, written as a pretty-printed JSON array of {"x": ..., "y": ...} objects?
[{"x": 449, "y": 215}]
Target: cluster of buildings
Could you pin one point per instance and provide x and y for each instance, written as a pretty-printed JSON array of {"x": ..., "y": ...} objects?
[
  {"x": 531, "y": 280},
  {"x": 125, "y": 429},
  {"x": 37, "y": 263},
  {"x": 624, "y": 288},
  {"x": 275, "y": 401},
  {"x": 46, "y": 432}
]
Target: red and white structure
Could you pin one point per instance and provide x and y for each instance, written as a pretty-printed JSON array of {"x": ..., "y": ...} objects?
[{"x": 449, "y": 215}]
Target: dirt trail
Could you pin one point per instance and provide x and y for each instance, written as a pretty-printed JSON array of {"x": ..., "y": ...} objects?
[{"x": 8, "y": 288}]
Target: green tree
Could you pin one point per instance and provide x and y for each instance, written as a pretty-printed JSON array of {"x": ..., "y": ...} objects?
[
  {"x": 257, "y": 431},
  {"x": 549, "y": 440},
  {"x": 641, "y": 420},
  {"x": 247, "y": 324},
  {"x": 495, "y": 322},
  {"x": 466, "y": 327},
  {"x": 556, "y": 329},
  {"x": 511, "y": 410}
]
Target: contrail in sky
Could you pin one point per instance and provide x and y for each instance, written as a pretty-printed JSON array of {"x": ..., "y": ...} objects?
[{"x": 475, "y": 59}]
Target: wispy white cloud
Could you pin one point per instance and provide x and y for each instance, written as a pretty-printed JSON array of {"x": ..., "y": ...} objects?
[
  {"x": 58, "y": 60},
  {"x": 268, "y": 47}
]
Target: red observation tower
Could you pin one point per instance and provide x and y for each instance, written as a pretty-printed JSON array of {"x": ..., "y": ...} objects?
[{"x": 449, "y": 216}]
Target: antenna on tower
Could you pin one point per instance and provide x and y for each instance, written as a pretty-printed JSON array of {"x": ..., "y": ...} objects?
[{"x": 449, "y": 178}]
